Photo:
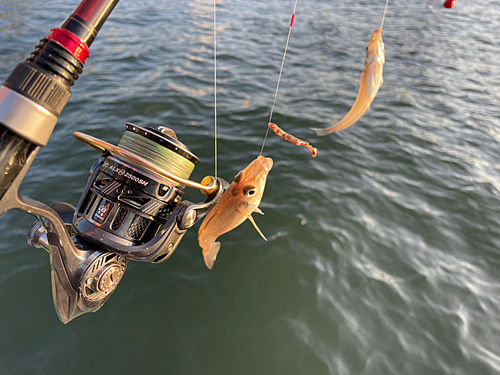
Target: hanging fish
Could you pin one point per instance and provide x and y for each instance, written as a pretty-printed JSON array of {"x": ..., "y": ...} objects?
[
  {"x": 290, "y": 138},
  {"x": 371, "y": 80},
  {"x": 239, "y": 201}
]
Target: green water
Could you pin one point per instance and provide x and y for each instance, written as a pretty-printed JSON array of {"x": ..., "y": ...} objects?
[{"x": 383, "y": 254}]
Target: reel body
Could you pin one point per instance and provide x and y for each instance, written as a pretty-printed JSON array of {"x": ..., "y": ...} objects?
[
  {"x": 125, "y": 205},
  {"x": 131, "y": 209}
]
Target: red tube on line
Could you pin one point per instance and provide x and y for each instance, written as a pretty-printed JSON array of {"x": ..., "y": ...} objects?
[
  {"x": 293, "y": 18},
  {"x": 450, "y": 3}
]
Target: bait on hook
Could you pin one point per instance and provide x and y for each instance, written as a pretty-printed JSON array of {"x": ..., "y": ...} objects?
[{"x": 290, "y": 138}]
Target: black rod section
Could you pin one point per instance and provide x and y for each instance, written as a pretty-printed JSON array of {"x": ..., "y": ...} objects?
[{"x": 88, "y": 18}]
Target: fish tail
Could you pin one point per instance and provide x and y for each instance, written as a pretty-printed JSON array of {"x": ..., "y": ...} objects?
[
  {"x": 360, "y": 107},
  {"x": 321, "y": 131},
  {"x": 211, "y": 254},
  {"x": 357, "y": 111}
]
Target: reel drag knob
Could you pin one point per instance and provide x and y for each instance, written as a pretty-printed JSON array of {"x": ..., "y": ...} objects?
[
  {"x": 103, "y": 276},
  {"x": 110, "y": 279}
]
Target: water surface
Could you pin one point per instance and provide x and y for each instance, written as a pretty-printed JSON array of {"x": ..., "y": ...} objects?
[{"x": 383, "y": 254}]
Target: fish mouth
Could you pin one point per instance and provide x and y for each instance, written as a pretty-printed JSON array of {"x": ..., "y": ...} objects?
[
  {"x": 266, "y": 163},
  {"x": 377, "y": 34},
  {"x": 376, "y": 37}
]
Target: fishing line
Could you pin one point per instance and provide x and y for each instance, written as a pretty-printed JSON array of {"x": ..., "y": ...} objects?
[
  {"x": 215, "y": 85},
  {"x": 279, "y": 78},
  {"x": 383, "y": 17}
]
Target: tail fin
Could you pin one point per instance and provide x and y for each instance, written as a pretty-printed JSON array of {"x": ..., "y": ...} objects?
[
  {"x": 211, "y": 255},
  {"x": 320, "y": 131}
]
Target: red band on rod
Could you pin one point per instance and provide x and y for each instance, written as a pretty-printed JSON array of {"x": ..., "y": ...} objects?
[
  {"x": 293, "y": 18},
  {"x": 71, "y": 42}
]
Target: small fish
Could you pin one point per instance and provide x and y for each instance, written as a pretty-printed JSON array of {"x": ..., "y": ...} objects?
[
  {"x": 290, "y": 138},
  {"x": 237, "y": 204},
  {"x": 371, "y": 80}
]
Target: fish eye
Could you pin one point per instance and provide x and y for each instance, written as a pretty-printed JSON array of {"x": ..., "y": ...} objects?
[{"x": 249, "y": 190}]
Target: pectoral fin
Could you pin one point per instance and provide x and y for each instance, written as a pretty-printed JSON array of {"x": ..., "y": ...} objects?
[
  {"x": 256, "y": 227},
  {"x": 258, "y": 210}
]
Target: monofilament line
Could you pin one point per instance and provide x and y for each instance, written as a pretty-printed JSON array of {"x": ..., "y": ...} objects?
[
  {"x": 279, "y": 78},
  {"x": 383, "y": 17},
  {"x": 215, "y": 84}
]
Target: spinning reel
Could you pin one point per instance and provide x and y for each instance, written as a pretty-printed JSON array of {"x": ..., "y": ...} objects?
[{"x": 131, "y": 209}]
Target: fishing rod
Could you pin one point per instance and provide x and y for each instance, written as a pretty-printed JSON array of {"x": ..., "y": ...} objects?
[{"x": 131, "y": 208}]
